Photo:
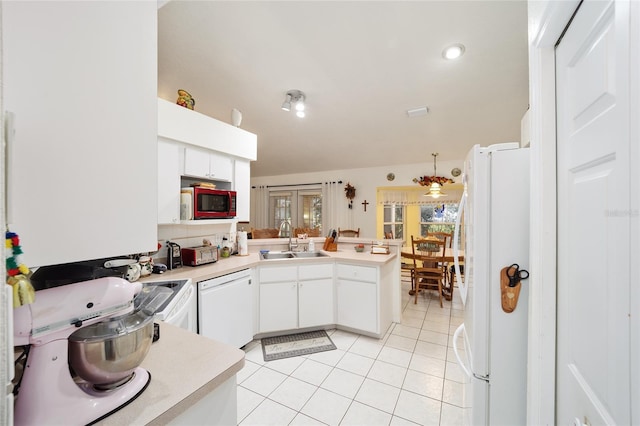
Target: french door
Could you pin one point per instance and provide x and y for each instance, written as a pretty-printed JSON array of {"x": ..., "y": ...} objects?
[{"x": 302, "y": 207}]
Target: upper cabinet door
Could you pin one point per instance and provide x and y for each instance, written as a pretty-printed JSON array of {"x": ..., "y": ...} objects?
[
  {"x": 81, "y": 81},
  {"x": 196, "y": 163},
  {"x": 208, "y": 165},
  {"x": 221, "y": 167}
]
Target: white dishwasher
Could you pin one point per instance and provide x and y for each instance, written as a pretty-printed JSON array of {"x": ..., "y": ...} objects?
[{"x": 225, "y": 311}]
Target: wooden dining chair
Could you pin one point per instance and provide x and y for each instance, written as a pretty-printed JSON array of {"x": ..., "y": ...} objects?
[
  {"x": 311, "y": 232},
  {"x": 348, "y": 232},
  {"x": 447, "y": 237},
  {"x": 428, "y": 260},
  {"x": 264, "y": 233},
  {"x": 388, "y": 235}
]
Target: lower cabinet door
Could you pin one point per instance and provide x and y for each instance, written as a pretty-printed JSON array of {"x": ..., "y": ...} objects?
[
  {"x": 357, "y": 305},
  {"x": 278, "y": 306},
  {"x": 315, "y": 303}
]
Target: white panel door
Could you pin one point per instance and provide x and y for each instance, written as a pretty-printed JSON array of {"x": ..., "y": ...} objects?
[{"x": 592, "y": 71}]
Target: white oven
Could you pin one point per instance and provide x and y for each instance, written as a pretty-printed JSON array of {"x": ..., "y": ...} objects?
[{"x": 181, "y": 308}]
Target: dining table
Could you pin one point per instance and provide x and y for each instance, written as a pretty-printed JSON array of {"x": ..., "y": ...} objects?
[{"x": 447, "y": 289}]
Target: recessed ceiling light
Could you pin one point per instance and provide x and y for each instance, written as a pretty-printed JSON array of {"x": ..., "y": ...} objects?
[{"x": 454, "y": 51}]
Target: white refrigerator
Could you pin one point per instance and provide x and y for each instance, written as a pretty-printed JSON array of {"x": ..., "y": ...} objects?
[{"x": 493, "y": 353}]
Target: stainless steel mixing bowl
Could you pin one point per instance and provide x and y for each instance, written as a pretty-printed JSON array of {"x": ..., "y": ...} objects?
[{"x": 106, "y": 353}]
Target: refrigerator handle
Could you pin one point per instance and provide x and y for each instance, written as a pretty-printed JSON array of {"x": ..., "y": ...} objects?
[
  {"x": 456, "y": 253},
  {"x": 456, "y": 335}
]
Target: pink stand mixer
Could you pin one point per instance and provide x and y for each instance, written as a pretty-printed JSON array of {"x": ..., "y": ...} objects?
[{"x": 86, "y": 345}]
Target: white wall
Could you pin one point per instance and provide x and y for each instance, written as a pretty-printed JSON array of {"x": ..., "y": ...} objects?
[{"x": 366, "y": 181}]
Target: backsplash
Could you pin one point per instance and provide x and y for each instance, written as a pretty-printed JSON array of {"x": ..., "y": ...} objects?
[{"x": 192, "y": 236}]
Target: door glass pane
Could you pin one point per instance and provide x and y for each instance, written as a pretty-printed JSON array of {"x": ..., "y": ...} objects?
[
  {"x": 280, "y": 211},
  {"x": 311, "y": 208}
]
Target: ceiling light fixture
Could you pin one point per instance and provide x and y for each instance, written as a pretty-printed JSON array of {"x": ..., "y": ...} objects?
[
  {"x": 417, "y": 112},
  {"x": 435, "y": 190},
  {"x": 297, "y": 98},
  {"x": 286, "y": 105},
  {"x": 453, "y": 52}
]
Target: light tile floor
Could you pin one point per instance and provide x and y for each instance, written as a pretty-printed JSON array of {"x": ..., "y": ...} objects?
[{"x": 408, "y": 377}]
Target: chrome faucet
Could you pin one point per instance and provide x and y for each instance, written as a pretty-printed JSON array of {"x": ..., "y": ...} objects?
[{"x": 287, "y": 222}]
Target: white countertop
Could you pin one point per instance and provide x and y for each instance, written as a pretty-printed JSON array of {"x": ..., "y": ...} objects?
[
  {"x": 184, "y": 367},
  {"x": 236, "y": 263}
]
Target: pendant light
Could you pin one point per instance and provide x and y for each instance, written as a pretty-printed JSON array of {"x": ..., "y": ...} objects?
[{"x": 435, "y": 190}]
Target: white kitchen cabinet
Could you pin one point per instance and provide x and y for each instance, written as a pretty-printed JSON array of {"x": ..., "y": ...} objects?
[
  {"x": 208, "y": 165},
  {"x": 168, "y": 182},
  {"x": 242, "y": 185},
  {"x": 80, "y": 80},
  {"x": 315, "y": 295},
  {"x": 294, "y": 297},
  {"x": 278, "y": 298},
  {"x": 315, "y": 302},
  {"x": 357, "y": 297},
  {"x": 210, "y": 150},
  {"x": 196, "y": 129}
]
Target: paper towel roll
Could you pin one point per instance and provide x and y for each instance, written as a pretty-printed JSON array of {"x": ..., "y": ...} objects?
[{"x": 243, "y": 248}]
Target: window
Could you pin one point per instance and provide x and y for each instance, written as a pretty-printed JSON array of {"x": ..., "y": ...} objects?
[
  {"x": 394, "y": 220},
  {"x": 438, "y": 218},
  {"x": 302, "y": 207}
]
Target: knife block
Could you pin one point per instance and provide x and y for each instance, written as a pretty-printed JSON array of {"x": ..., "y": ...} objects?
[{"x": 329, "y": 245}]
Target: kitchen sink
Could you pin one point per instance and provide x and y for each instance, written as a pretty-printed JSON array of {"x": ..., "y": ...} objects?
[
  {"x": 305, "y": 254},
  {"x": 270, "y": 255},
  {"x": 291, "y": 255}
]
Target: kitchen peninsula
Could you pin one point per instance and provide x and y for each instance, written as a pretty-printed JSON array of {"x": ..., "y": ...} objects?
[
  {"x": 203, "y": 384},
  {"x": 345, "y": 264}
]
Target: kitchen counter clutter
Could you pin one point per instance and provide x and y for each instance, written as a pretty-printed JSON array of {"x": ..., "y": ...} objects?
[
  {"x": 192, "y": 382},
  {"x": 236, "y": 263}
]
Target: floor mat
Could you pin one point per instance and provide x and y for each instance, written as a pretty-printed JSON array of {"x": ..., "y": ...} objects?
[{"x": 296, "y": 344}]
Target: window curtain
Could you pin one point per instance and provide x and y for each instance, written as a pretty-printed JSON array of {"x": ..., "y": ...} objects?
[
  {"x": 260, "y": 207},
  {"x": 330, "y": 208},
  {"x": 416, "y": 197}
]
